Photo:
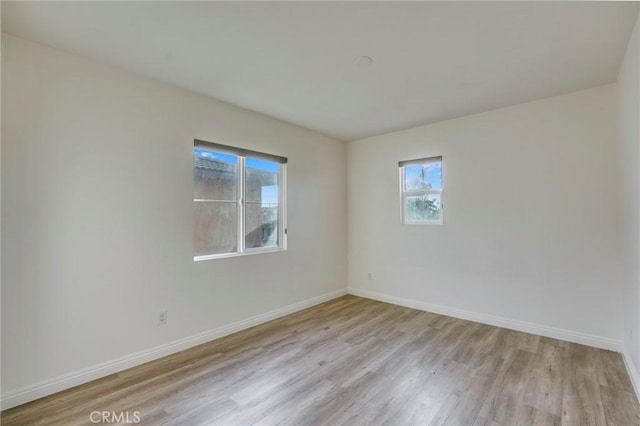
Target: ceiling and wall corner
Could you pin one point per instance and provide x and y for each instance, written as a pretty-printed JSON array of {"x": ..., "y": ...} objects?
[{"x": 296, "y": 61}]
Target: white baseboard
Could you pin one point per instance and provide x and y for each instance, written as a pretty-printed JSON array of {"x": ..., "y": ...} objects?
[
  {"x": 57, "y": 384},
  {"x": 633, "y": 372},
  {"x": 527, "y": 327}
]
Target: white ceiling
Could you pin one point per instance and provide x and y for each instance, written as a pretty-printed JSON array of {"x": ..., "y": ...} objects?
[{"x": 295, "y": 61}]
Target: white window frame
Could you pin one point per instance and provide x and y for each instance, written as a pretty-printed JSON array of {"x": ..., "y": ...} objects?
[
  {"x": 242, "y": 155},
  {"x": 404, "y": 194}
]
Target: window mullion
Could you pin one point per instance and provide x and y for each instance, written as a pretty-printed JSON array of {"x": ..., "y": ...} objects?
[{"x": 240, "y": 185}]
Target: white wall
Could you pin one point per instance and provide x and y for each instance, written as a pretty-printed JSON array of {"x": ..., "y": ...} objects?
[
  {"x": 530, "y": 217},
  {"x": 629, "y": 116},
  {"x": 97, "y": 176}
]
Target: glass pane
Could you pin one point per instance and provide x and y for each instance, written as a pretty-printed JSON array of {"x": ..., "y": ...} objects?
[
  {"x": 261, "y": 225},
  {"x": 422, "y": 208},
  {"x": 215, "y": 227},
  {"x": 215, "y": 175},
  {"x": 423, "y": 176},
  {"x": 261, "y": 180},
  {"x": 261, "y": 203}
]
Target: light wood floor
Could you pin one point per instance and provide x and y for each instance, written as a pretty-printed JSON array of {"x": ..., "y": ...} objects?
[{"x": 360, "y": 362}]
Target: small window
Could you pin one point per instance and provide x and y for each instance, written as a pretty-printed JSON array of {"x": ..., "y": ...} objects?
[
  {"x": 421, "y": 191},
  {"x": 239, "y": 201}
]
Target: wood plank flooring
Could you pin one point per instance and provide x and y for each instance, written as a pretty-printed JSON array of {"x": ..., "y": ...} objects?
[{"x": 353, "y": 361}]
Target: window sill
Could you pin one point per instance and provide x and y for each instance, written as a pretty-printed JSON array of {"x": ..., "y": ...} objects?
[{"x": 249, "y": 252}]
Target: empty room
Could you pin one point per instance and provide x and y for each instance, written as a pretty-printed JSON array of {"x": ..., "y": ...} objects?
[{"x": 320, "y": 213}]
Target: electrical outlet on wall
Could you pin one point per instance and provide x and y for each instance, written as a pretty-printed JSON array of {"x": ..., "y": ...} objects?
[
  {"x": 370, "y": 276},
  {"x": 162, "y": 317}
]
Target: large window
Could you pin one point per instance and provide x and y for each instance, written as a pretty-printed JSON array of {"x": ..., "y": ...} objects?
[
  {"x": 239, "y": 201},
  {"x": 421, "y": 191}
]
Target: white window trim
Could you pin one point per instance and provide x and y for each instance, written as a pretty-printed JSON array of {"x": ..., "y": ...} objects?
[
  {"x": 404, "y": 194},
  {"x": 282, "y": 216}
]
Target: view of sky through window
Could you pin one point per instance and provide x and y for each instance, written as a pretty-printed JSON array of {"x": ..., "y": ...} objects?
[{"x": 423, "y": 176}]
